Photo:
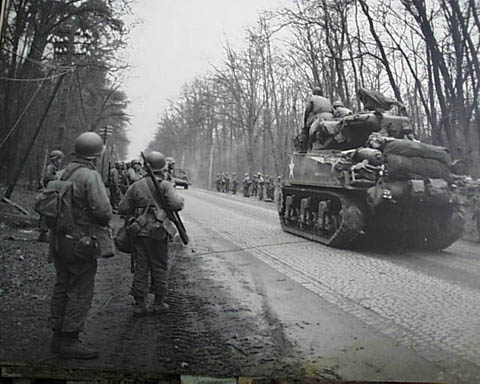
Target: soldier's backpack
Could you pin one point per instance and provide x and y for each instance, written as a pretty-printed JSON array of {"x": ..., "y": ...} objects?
[{"x": 55, "y": 202}]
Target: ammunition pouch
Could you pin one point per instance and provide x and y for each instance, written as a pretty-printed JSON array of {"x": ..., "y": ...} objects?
[
  {"x": 77, "y": 247},
  {"x": 104, "y": 239},
  {"x": 135, "y": 225}
]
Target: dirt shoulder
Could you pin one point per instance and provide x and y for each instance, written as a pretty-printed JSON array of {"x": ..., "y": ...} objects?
[{"x": 209, "y": 329}]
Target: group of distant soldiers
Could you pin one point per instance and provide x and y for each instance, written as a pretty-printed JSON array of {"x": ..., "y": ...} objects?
[
  {"x": 258, "y": 185},
  {"x": 123, "y": 174}
]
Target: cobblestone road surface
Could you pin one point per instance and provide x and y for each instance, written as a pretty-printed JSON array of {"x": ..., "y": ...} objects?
[{"x": 427, "y": 302}]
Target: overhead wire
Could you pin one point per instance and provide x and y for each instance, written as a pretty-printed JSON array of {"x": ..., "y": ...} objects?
[
  {"x": 24, "y": 111},
  {"x": 37, "y": 79},
  {"x": 81, "y": 99},
  {"x": 5, "y": 139},
  {"x": 51, "y": 66}
]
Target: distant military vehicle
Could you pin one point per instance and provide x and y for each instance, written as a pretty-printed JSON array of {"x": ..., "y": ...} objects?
[
  {"x": 181, "y": 179},
  {"x": 364, "y": 176}
]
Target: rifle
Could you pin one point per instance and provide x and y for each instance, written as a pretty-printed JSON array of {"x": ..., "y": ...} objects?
[
  {"x": 132, "y": 262},
  {"x": 109, "y": 175},
  {"x": 173, "y": 216},
  {"x": 45, "y": 161}
]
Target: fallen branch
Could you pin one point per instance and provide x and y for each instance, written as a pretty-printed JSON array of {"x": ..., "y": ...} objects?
[
  {"x": 109, "y": 300},
  {"x": 18, "y": 206}
]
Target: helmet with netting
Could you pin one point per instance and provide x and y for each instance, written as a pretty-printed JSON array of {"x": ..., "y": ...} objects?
[{"x": 56, "y": 154}]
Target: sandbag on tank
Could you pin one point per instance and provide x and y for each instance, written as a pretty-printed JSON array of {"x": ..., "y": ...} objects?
[
  {"x": 410, "y": 148},
  {"x": 405, "y": 168}
]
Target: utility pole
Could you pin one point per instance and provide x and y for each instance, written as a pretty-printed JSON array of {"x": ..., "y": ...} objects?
[
  {"x": 182, "y": 164},
  {"x": 210, "y": 168},
  {"x": 104, "y": 133},
  {"x": 69, "y": 42},
  {"x": 64, "y": 50}
]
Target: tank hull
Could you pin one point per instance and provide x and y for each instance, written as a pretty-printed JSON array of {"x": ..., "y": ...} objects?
[{"x": 325, "y": 201}]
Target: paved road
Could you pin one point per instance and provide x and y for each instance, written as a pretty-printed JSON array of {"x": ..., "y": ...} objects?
[{"x": 364, "y": 314}]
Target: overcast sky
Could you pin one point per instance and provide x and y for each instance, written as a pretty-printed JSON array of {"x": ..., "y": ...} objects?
[{"x": 176, "y": 41}]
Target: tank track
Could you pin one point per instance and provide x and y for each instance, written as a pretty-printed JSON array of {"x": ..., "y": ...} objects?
[
  {"x": 414, "y": 226},
  {"x": 442, "y": 232},
  {"x": 338, "y": 219},
  {"x": 327, "y": 217}
]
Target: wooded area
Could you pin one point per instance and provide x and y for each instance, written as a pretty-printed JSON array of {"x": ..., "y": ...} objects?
[
  {"x": 59, "y": 75},
  {"x": 242, "y": 115}
]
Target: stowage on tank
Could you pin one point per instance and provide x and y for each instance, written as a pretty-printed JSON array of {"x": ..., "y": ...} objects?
[{"x": 364, "y": 176}]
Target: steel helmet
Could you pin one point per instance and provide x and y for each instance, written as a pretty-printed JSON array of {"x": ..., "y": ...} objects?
[
  {"x": 88, "y": 145},
  {"x": 169, "y": 159},
  {"x": 246, "y": 173},
  {"x": 156, "y": 160},
  {"x": 56, "y": 154},
  {"x": 317, "y": 91},
  {"x": 337, "y": 103}
]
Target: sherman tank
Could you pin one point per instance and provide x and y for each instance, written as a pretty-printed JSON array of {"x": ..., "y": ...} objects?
[{"x": 364, "y": 177}]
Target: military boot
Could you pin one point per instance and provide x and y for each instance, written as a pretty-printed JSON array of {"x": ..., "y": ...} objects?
[
  {"x": 159, "y": 305},
  {"x": 140, "y": 308},
  {"x": 71, "y": 347}
]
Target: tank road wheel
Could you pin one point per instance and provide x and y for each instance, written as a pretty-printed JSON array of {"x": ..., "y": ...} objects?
[
  {"x": 445, "y": 232},
  {"x": 331, "y": 223},
  {"x": 326, "y": 217},
  {"x": 350, "y": 223}
]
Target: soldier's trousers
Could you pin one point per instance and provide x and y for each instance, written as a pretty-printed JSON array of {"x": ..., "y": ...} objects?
[
  {"x": 73, "y": 290},
  {"x": 151, "y": 259},
  {"x": 115, "y": 196}
]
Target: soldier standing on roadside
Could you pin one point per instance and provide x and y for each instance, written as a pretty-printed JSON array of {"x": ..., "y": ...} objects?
[
  {"x": 151, "y": 240},
  {"x": 222, "y": 182},
  {"x": 270, "y": 188},
  {"x": 218, "y": 182},
  {"x": 114, "y": 184},
  {"x": 123, "y": 178},
  {"x": 133, "y": 172},
  {"x": 234, "y": 183},
  {"x": 255, "y": 185},
  {"x": 170, "y": 169},
  {"x": 56, "y": 159},
  {"x": 246, "y": 183},
  {"x": 226, "y": 188},
  {"x": 260, "y": 188},
  {"x": 74, "y": 255}
]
